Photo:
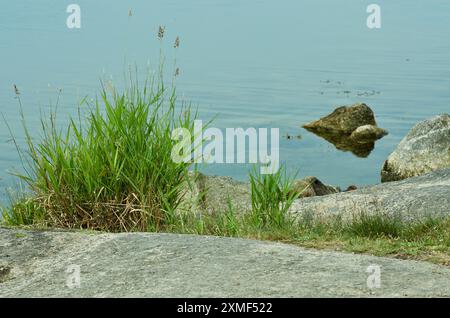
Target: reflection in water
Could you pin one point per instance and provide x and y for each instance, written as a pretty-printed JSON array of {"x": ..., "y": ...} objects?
[{"x": 344, "y": 142}]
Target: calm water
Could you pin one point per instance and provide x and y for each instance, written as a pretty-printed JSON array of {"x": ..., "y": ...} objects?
[{"x": 252, "y": 63}]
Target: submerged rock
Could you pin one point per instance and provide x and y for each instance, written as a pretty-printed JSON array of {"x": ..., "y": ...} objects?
[
  {"x": 425, "y": 148},
  {"x": 350, "y": 128}
]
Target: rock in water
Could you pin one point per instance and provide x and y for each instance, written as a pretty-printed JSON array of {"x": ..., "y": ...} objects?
[
  {"x": 367, "y": 133},
  {"x": 350, "y": 128},
  {"x": 425, "y": 148},
  {"x": 344, "y": 120}
]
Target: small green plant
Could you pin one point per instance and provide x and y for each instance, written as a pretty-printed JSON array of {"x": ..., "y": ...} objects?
[
  {"x": 272, "y": 196},
  {"x": 229, "y": 221}
]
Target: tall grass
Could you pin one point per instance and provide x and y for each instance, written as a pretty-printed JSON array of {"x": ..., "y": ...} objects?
[
  {"x": 114, "y": 172},
  {"x": 272, "y": 196}
]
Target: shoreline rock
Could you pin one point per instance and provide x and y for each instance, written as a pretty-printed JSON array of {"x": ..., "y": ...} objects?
[
  {"x": 311, "y": 187},
  {"x": 425, "y": 148},
  {"x": 211, "y": 194},
  {"x": 413, "y": 199},
  {"x": 41, "y": 264}
]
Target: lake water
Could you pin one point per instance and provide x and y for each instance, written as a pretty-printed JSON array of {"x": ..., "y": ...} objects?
[{"x": 254, "y": 63}]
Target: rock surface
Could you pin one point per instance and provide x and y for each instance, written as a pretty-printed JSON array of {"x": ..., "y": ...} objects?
[
  {"x": 425, "y": 148},
  {"x": 412, "y": 199},
  {"x": 210, "y": 194},
  {"x": 42, "y": 264}
]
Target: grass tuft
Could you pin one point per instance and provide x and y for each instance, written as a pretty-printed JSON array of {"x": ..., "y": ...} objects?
[
  {"x": 114, "y": 172},
  {"x": 272, "y": 196}
]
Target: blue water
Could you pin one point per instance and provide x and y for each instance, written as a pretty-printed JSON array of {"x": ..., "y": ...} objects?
[{"x": 253, "y": 63}]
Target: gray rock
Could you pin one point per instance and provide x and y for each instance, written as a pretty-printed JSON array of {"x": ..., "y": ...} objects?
[
  {"x": 413, "y": 199},
  {"x": 211, "y": 194},
  {"x": 425, "y": 148},
  {"x": 344, "y": 120},
  {"x": 367, "y": 133},
  {"x": 44, "y": 264}
]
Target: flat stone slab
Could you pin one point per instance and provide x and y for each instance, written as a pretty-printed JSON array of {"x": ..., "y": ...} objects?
[
  {"x": 412, "y": 199},
  {"x": 44, "y": 264}
]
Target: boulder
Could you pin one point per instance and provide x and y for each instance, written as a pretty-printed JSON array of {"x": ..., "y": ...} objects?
[
  {"x": 344, "y": 120},
  {"x": 311, "y": 186},
  {"x": 47, "y": 264},
  {"x": 414, "y": 199},
  {"x": 425, "y": 148}
]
